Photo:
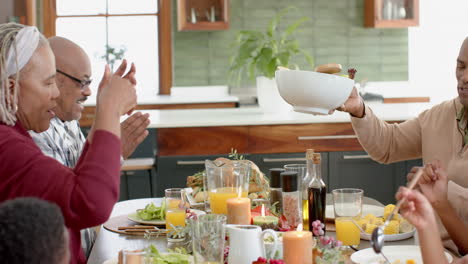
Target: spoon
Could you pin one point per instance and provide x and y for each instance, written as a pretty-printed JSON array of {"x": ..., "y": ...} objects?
[{"x": 377, "y": 238}]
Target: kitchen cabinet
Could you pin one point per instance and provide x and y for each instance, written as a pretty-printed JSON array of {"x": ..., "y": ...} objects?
[
  {"x": 265, "y": 162},
  {"x": 391, "y": 13},
  {"x": 202, "y": 15},
  {"x": 356, "y": 170},
  {"x": 172, "y": 172}
]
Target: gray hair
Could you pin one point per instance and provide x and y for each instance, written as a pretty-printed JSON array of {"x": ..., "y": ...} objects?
[{"x": 9, "y": 99}]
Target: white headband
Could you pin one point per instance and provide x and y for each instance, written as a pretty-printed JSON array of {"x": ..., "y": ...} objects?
[{"x": 26, "y": 42}]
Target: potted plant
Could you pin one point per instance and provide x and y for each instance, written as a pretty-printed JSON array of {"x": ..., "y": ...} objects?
[{"x": 259, "y": 54}]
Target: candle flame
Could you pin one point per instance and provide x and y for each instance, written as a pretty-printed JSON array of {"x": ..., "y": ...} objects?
[
  {"x": 263, "y": 210},
  {"x": 299, "y": 227},
  {"x": 239, "y": 192}
]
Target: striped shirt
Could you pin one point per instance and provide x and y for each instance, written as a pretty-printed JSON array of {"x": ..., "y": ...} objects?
[{"x": 64, "y": 141}]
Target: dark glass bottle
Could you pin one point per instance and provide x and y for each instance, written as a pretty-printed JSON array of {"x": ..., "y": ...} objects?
[{"x": 317, "y": 191}]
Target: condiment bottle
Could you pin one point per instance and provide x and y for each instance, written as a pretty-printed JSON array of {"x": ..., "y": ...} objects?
[
  {"x": 317, "y": 191},
  {"x": 291, "y": 198},
  {"x": 276, "y": 197},
  {"x": 305, "y": 188}
]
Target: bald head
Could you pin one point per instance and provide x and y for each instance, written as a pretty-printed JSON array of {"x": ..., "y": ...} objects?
[
  {"x": 72, "y": 64},
  {"x": 68, "y": 55}
]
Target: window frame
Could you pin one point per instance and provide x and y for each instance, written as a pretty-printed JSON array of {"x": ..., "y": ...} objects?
[{"x": 164, "y": 37}]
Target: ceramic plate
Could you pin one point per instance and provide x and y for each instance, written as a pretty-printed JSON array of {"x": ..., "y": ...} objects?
[
  {"x": 395, "y": 237},
  {"x": 393, "y": 253},
  {"x": 366, "y": 209},
  {"x": 134, "y": 217}
]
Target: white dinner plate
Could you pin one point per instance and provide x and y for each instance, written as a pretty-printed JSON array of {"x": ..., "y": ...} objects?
[
  {"x": 366, "y": 209},
  {"x": 395, "y": 237},
  {"x": 393, "y": 253},
  {"x": 134, "y": 217}
]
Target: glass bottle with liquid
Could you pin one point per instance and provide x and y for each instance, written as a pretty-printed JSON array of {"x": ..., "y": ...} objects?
[
  {"x": 317, "y": 191},
  {"x": 305, "y": 188}
]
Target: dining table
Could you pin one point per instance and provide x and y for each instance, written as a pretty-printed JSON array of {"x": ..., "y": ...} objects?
[{"x": 108, "y": 243}]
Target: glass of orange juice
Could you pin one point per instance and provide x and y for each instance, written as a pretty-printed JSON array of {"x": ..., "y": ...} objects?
[
  {"x": 175, "y": 209},
  {"x": 225, "y": 179},
  {"x": 347, "y": 205}
]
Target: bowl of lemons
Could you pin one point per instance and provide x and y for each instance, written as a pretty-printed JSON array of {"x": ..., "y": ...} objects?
[{"x": 397, "y": 229}]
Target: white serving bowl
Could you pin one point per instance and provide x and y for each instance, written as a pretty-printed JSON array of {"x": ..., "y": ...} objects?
[{"x": 313, "y": 92}]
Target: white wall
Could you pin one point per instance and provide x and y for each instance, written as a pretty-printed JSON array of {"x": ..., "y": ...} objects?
[
  {"x": 434, "y": 47},
  {"x": 6, "y": 9}
]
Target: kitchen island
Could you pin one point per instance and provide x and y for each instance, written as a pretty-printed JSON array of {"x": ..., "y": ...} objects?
[{"x": 186, "y": 138}]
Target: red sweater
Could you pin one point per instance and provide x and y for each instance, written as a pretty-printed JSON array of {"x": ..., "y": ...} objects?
[{"x": 86, "y": 194}]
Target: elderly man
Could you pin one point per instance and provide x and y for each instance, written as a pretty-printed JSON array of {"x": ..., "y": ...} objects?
[
  {"x": 440, "y": 133},
  {"x": 64, "y": 140}
]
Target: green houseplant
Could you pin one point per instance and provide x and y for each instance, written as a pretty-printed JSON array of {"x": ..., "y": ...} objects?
[{"x": 259, "y": 54}]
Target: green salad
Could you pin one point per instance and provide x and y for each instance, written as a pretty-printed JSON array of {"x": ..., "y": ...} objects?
[
  {"x": 169, "y": 258},
  {"x": 152, "y": 212}
]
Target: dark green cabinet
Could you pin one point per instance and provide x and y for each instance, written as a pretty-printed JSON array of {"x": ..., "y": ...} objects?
[
  {"x": 354, "y": 169},
  {"x": 172, "y": 172},
  {"x": 267, "y": 161},
  {"x": 357, "y": 170}
]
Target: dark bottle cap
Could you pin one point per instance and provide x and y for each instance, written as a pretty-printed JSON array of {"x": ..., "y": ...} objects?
[
  {"x": 289, "y": 181},
  {"x": 275, "y": 177}
]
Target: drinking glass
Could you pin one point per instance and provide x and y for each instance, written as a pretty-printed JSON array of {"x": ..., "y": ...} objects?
[
  {"x": 224, "y": 180},
  {"x": 135, "y": 257},
  {"x": 208, "y": 235},
  {"x": 347, "y": 204},
  {"x": 175, "y": 211}
]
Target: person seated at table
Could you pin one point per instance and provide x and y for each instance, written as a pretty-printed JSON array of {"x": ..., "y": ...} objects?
[
  {"x": 64, "y": 140},
  {"x": 86, "y": 193},
  {"x": 32, "y": 231},
  {"x": 419, "y": 210},
  {"x": 438, "y": 133}
]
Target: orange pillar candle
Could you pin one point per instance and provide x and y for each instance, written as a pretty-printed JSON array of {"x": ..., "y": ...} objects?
[
  {"x": 297, "y": 247},
  {"x": 238, "y": 211}
]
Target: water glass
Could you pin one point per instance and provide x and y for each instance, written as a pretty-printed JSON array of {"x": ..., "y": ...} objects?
[
  {"x": 347, "y": 204},
  {"x": 224, "y": 180},
  {"x": 208, "y": 236}
]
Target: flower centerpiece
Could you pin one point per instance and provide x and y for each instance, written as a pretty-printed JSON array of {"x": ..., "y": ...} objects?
[{"x": 327, "y": 249}]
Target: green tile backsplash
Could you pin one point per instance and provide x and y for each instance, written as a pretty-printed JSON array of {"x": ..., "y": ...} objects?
[{"x": 334, "y": 33}]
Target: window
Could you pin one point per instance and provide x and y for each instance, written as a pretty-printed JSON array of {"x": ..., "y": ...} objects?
[{"x": 139, "y": 28}]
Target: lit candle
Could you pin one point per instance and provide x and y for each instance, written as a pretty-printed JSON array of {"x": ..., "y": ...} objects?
[
  {"x": 297, "y": 246},
  {"x": 238, "y": 211},
  {"x": 266, "y": 221}
]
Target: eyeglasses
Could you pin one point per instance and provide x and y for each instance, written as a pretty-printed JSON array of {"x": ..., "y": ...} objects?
[{"x": 83, "y": 83}]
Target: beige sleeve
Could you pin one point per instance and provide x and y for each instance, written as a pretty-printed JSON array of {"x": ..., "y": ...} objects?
[{"x": 385, "y": 142}]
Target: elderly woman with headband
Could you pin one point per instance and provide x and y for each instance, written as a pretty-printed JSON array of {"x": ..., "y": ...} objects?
[{"x": 87, "y": 193}]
